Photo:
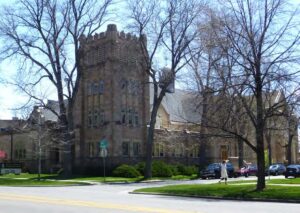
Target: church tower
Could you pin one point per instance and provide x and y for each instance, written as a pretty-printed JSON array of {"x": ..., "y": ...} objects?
[{"x": 113, "y": 99}]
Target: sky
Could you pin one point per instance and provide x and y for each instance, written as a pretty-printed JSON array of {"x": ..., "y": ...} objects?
[{"x": 10, "y": 98}]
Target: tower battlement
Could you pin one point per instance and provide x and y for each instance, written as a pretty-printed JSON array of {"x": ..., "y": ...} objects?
[
  {"x": 111, "y": 34},
  {"x": 111, "y": 45}
]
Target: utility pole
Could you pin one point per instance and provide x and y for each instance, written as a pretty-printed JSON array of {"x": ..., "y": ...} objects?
[
  {"x": 40, "y": 115},
  {"x": 11, "y": 144}
]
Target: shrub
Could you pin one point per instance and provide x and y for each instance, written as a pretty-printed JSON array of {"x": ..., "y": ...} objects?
[
  {"x": 126, "y": 171},
  {"x": 174, "y": 169},
  {"x": 190, "y": 170},
  {"x": 186, "y": 170},
  {"x": 140, "y": 167},
  {"x": 161, "y": 169},
  {"x": 181, "y": 169}
]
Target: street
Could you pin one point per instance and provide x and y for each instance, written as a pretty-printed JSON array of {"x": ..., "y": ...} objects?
[{"x": 116, "y": 198}]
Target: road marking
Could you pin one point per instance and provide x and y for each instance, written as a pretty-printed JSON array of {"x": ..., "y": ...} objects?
[{"x": 46, "y": 200}]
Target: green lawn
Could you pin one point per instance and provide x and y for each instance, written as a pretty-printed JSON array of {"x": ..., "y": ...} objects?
[
  {"x": 129, "y": 180},
  {"x": 27, "y": 175},
  {"x": 31, "y": 178},
  {"x": 285, "y": 181},
  {"x": 107, "y": 179},
  {"x": 34, "y": 182},
  {"x": 228, "y": 191},
  {"x": 274, "y": 181}
]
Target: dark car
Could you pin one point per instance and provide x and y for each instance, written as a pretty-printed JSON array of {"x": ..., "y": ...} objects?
[
  {"x": 214, "y": 171},
  {"x": 292, "y": 170},
  {"x": 246, "y": 171},
  {"x": 277, "y": 169}
]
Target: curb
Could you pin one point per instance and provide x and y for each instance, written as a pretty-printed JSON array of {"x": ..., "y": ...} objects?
[
  {"x": 222, "y": 198},
  {"x": 122, "y": 182}
]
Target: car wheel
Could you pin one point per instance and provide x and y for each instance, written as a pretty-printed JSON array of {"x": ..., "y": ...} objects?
[
  {"x": 203, "y": 178},
  {"x": 246, "y": 174},
  {"x": 276, "y": 173},
  {"x": 286, "y": 176}
]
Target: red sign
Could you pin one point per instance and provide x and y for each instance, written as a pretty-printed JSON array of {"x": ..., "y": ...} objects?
[{"x": 2, "y": 154}]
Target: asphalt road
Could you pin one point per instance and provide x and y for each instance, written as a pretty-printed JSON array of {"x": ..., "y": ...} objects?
[{"x": 116, "y": 199}]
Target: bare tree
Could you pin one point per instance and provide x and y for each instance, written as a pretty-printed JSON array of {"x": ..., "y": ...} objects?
[
  {"x": 170, "y": 29},
  {"x": 254, "y": 78},
  {"x": 42, "y": 37},
  {"x": 291, "y": 116},
  {"x": 265, "y": 41},
  {"x": 204, "y": 59}
]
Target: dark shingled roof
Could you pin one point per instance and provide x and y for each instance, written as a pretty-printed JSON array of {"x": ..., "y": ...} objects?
[{"x": 182, "y": 106}]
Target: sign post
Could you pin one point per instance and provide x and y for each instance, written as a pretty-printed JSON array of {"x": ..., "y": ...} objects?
[{"x": 103, "y": 153}]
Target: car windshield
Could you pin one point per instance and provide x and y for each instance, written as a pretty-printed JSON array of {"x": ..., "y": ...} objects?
[
  {"x": 229, "y": 165},
  {"x": 273, "y": 166},
  {"x": 212, "y": 166}
]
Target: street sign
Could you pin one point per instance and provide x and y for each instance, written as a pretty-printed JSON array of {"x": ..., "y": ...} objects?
[
  {"x": 103, "y": 153},
  {"x": 103, "y": 144}
]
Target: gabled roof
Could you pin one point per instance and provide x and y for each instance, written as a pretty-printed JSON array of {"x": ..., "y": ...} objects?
[
  {"x": 182, "y": 106},
  {"x": 48, "y": 115}
]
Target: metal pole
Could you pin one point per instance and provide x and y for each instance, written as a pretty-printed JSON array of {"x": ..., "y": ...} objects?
[
  {"x": 11, "y": 145},
  {"x": 104, "y": 167},
  {"x": 39, "y": 146}
]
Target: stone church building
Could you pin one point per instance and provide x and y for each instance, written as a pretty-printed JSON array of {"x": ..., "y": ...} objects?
[{"x": 113, "y": 104}]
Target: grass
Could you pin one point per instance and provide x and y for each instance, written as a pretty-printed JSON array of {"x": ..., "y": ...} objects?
[
  {"x": 273, "y": 181},
  {"x": 285, "y": 181},
  {"x": 184, "y": 177},
  {"x": 35, "y": 182},
  {"x": 227, "y": 191},
  {"x": 107, "y": 179},
  {"x": 243, "y": 182},
  {"x": 127, "y": 180},
  {"x": 53, "y": 179},
  {"x": 27, "y": 175}
]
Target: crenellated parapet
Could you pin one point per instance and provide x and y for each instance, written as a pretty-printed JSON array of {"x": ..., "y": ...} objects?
[
  {"x": 111, "y": 34},
  {"x": 111, "y": 45}
]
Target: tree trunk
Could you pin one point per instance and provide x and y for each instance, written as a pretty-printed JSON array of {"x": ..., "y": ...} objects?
[
  {"x": 241, "y": 152},
  {"x": 66, "y": 139},
  {"x": 150, "y": 138},
  {"x": 202, "y": 153},
  {"x": 150, "y": 135},
  {"x": 268, "y": 138},
  {"x": 289, "y": 149},
  {"x": 148, "y": 165},
  {"x": 293, "y": 126},
  {"x": 203, "y": 142},
  {"x": 261, "y": 183},
  {"x": 67, "y": 149}
]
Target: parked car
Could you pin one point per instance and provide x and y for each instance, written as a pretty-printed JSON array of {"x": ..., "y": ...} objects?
[
  {"x": 292, "y": 170},
  {"x": 246, "y": 171},
  {"x": 276, "y": 169},
  {"x": 214, "y": 171}
]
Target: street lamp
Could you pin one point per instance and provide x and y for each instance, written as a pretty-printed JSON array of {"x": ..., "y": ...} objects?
[{"x": 40, "y": 116}]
